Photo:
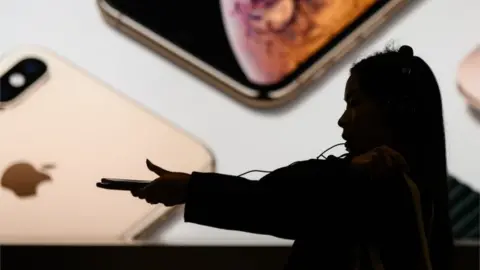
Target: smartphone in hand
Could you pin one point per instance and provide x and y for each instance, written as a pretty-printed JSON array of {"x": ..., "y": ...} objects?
[{"x": 122, "y": 184}]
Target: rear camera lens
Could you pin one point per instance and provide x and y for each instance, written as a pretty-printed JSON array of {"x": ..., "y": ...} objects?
[
  {"x": 20, "y": 77},
  {"x": 30, "y": 67}
]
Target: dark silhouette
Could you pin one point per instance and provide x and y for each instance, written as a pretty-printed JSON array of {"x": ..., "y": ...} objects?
[{"x": 382, "y": 206}]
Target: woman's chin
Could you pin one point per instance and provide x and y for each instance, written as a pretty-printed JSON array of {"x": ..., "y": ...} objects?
[{"x": 351, "y": 150}]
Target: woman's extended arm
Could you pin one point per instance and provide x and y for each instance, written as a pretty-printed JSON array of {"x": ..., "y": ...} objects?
[
  {"x": 277, "y": 204},
  {"x": 274, "y": 205}
]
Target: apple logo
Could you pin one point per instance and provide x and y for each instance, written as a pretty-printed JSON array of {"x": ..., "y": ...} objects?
[{"x": 23, "y": 179}]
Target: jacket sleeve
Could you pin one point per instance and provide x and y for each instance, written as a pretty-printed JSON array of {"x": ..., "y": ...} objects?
[{"x": 274, "y": 205}]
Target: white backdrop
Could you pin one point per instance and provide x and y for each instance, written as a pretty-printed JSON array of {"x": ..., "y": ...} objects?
[{"x": 440, "y": 31}]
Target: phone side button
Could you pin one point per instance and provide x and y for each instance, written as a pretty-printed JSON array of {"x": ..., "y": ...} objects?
[
  {"x": 321, "y": 72},
  {"x": 345, "y": 50},
  {"x": 318, "y": 74}
]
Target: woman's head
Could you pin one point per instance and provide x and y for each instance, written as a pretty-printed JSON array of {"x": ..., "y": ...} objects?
[{"x": 393, "y": 99}]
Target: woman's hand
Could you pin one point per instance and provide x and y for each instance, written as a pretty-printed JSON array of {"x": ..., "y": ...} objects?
[
  {"x": 380, "y": 161},
  {"x": 170, "y": 188}
]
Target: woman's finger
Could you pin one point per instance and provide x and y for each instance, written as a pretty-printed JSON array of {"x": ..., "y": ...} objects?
[
  {"x": 142, "y": 193},
  {"x": 134, "y": 193},
  {"x": 151, "y": 200},
  {"x": 156, "y": 169}
]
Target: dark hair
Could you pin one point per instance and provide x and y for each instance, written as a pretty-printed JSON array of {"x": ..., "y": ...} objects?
[{"x": 406, "y": 88}]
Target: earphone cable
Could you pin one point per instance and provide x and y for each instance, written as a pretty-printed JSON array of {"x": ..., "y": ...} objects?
[{"x": 321, "y": 155}]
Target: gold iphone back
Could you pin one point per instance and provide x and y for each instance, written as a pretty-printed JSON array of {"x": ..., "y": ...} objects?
[
  {"x": 468, "y": 77},
  {"x": 64, "y": 134}
]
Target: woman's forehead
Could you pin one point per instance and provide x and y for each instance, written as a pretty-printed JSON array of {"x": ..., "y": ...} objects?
[{"x": 351, "y": 88}]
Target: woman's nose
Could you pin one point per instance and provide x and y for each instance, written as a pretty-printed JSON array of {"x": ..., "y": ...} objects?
[{"x": 343, "y": 120}]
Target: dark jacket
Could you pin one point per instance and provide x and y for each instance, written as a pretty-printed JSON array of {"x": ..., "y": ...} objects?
[{"x": 338, "y": 216}]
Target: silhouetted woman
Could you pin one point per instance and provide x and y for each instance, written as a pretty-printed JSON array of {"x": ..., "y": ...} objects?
[{"x": 382, "y": 206}]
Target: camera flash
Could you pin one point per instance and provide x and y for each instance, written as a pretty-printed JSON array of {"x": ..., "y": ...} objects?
[{"x": 16, "y": 80}]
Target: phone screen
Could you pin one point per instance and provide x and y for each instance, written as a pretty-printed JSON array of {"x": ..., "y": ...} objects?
[{"x": 262, "y": 44}]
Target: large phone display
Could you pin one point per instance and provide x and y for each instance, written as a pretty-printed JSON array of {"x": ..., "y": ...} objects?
[{"x": 262, "y": 44}]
